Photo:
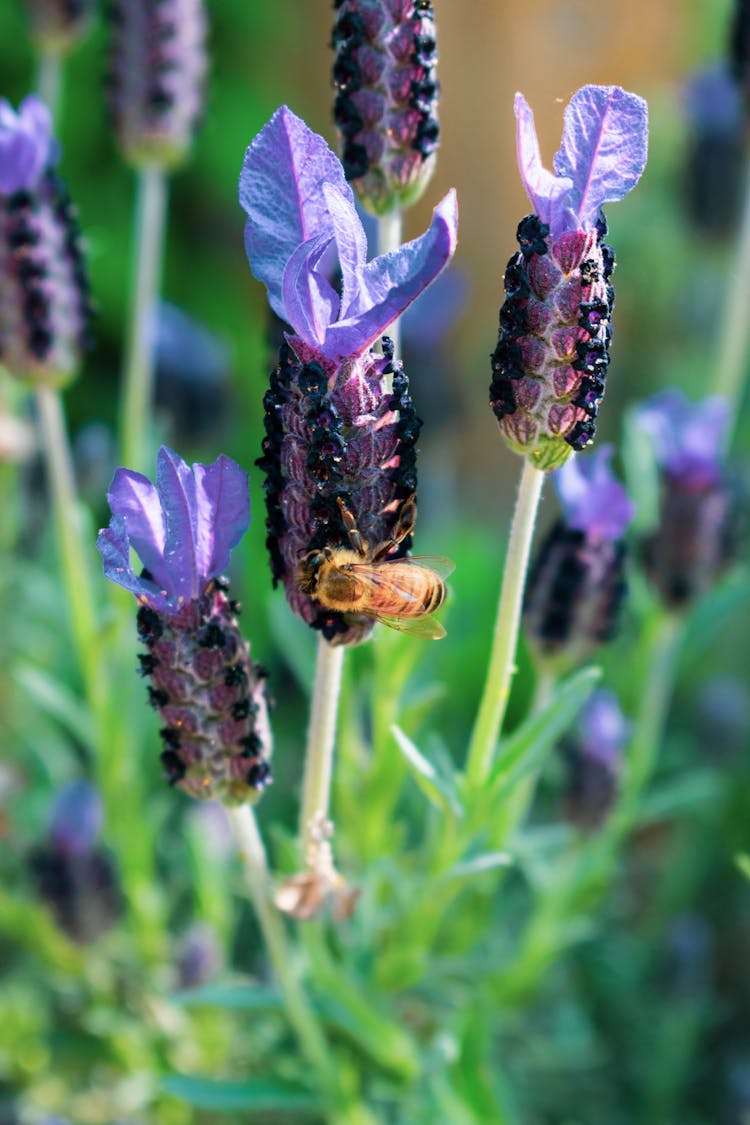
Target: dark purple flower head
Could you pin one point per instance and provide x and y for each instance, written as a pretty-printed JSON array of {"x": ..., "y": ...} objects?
[
  {"x": 302, "y": 225},
  {"x": 687, "y": 437},
  {"x": 57, "y": 25},
  {"x": 593, "y": 757},
  {"x": 26, "y": 144},
  {"x": 76, "y": 819},
  {"x": 552, "y": 353},
  {"x": 45, "y": 311},
  {"x": 592, "y": 499},
  {"x": 182, "y": 529},
  {"x": 385, "y": 77},
  {"x": 601, "y": 158},
  {"x": 209, "y": 694}
]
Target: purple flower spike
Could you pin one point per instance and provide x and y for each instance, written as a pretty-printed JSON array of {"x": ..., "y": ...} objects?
[
  {"x": 302, "y": 222},
  {"x": 182, "y": 530},
  {"x": 592, "y": 498},
  {"x": 76, "y": 818},
  {"x": 26, "y": 145},
  {"x": 552, "y": 354},
  {"x": 687, "y": 437},
  {"x": 209, "y": 694},
  {"x": 601, "y": 158},
  {"x": 593, "y": 757}
]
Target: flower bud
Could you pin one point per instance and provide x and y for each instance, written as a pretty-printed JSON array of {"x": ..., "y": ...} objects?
[
  {"x": 56, "y": 26},
  {"x": 577, "y": 583},
  {"x": 155, "y": 80},
  {"x": 45, "y": 308},
  {"x": 386, "y": 101}
]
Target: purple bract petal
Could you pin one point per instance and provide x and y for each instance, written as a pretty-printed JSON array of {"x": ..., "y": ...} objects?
[
  {"x": 300, "y": 208},
  {"x": 602, "y": 156},
  {"x": 76, "y": 818},
  {"x": 25, "y": 144},
  {"x": 280, "y": 191},
  {"x": 688, "y": 437},
  {"x": 593, "y": 500},
  {"x": 182, "y": 530}
]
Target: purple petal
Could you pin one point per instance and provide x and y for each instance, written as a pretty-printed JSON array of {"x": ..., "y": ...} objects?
[
  {"x": 76, "y": 818},
  {"x": 604, "y": 148},
  {"x": 547, "y": 193},
  {"x": 281, "y": 193},
  {"x": 688, "y": 438},
  {"x": 592, "y": 498},
  {"x": 390, "y": 283},
  {"x": 603, "y": 727},
  {"x": 351, "y": 242},
  {"x": 25, "y": 144},
  {"x": 133, "y": 496},
  {"x": 175, "y": 484},
  {"x": 223, "y": 502},
  {"x": 114, "y": 546},
  {"x": 310, "y": 302}
]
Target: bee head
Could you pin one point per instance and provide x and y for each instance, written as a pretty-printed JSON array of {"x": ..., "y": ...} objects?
[{"x": 307, "y": 571}]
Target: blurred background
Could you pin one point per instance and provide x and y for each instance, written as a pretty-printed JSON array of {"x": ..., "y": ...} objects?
[{"x": 644, "y": 1016}]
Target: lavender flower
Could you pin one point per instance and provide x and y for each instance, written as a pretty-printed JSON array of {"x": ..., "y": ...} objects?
[
  {"x": 593, "y": 758},
  {"x": 210, "y": 695},
  {"x": 386, "y": 101},
  {"x": 552, "y": 352},
  {"x": 45, "y": 308},
  {"x": 198, "y": 957},
  {"x": 57, "y": 25},
  {"x": 695, "y": 539},
  {"x": 714, "y": 151},
  {"x": 157, "y": 66},
  {"x": 576, "y": 586},
  {"x": 74, "y": 875},
  {"x": 334, "y": 429}
]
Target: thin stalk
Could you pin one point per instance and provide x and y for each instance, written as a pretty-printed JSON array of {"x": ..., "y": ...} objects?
[
  {"x": 73, "y": 559},
  {"x": 501, "y": 669},
  {"x": 150, "y": 227},
  {"x": 730, "y": 371},
  {"x": 301, "y": 1015},
  {"x": 49, "y": 81},
  {"x": 321, "y": 738},
  {"x": 390, "y": 234}
]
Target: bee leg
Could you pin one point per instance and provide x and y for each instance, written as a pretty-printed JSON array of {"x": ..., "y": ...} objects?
[
  {"x": 350, "y": 525},
  {"x": 407, "y": 517}
]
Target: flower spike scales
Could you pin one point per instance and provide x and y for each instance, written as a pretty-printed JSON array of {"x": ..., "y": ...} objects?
[
  {"x": 551, "y": 359},
  {"x": 208, "y": 692},
  {"x": 341, "y": 430}
]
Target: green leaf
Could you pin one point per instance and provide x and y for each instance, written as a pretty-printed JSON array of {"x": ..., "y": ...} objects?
[
  {"x": 439, "y": 788},
  {"x": 239, "y": 997},
  {"x": 742, "y": 860},
  {"x": 641, "y": 474},
  {"x": 53, "y": 697},
  {"x": 524, "y": 750},
  {"x": 478, "y": 864},
  {"x": 263, "y": 1094}
]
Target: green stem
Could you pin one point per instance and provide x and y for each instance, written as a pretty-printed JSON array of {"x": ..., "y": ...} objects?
[
  {"x": 73, "y": 558},
  {"x": 301, "y": 1015},
  {"x": 501, "y": 669},
  {"x": 49, "y": 81},
  {"x": 390, "y": 234},
  {"x": 321, "y": 738},
  {"x": 730, "y": 371},
  {"x": 150, "y": 227}
]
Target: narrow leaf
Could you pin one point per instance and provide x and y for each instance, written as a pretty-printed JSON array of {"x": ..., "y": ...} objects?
[
  {"x": 263, "y": 1094},
  {"x": 440, "y": 790}
]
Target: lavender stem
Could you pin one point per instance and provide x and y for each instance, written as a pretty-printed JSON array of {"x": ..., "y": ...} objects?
[
  {"x": 49, "y": 81},
  {"x": 390, "y": 234},
  {"x": 734, "y": 330},
  {"x": 501, "y": 668},
  {"x": 321, "y": 737},
  {"x": 301, "y": 1016},
  {"x": 150, "y": 226}
]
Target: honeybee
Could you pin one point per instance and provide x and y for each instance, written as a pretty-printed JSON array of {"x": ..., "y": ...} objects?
[{"x": 402, "y": 593}]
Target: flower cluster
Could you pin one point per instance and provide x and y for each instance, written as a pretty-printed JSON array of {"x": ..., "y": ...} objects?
[
  {"x": 157, "y": 66},
  {"x": 210, "y": 695},
  {"x": 45, "y": 308},
  {"x": 552, "y": 354},
  {"x": 340, "y": 424},
  {"x": 386, "y": 101}
]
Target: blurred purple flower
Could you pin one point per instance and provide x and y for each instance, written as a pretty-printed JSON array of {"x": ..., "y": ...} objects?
[
  {"x": 688, "y": 437},
  {"x": 714, "y": 153},
  {"x": 302, "y": 221},
  {"x": 592, "y": 498},
  {"x": 76, "y": 818},
  {"x": 26, "y": 144},
  {"x": 593, "y": 758},
  {"x": 712, "y": 102},
  {"x": 182, "y": 530},
  {"x": 552, "y": 352},
  {"x": 192, "y": 374},
  {"x": 198, "y": 957},
  {"x": 56, "y": 25}
]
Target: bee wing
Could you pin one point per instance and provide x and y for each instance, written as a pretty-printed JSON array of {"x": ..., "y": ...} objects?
[
  {"x": 442, "y": 566},
  {"x": 384, "y": 575},
  {"x": 426, "y": 627}
]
